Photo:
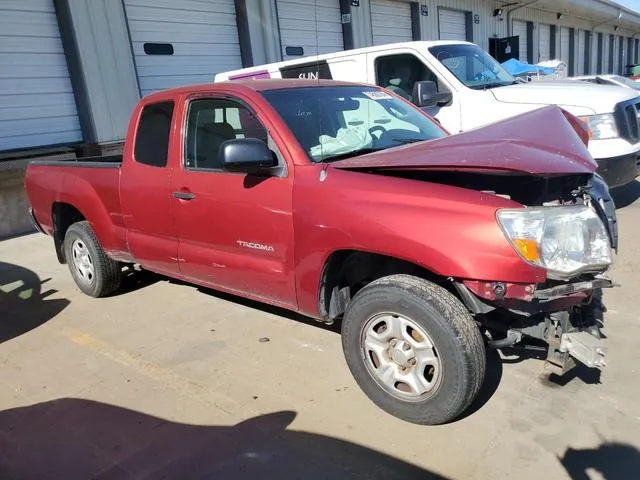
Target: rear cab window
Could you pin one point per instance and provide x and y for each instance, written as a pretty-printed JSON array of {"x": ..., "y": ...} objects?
[{"x": 152, "y": 137}]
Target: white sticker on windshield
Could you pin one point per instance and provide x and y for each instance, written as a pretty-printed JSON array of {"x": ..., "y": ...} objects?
[{"x": 377, "y": 95}]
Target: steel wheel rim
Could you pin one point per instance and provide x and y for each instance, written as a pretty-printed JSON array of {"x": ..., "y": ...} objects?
[
  {"x": 400, "y": 356},
  {"x": 82, "y": 261}
]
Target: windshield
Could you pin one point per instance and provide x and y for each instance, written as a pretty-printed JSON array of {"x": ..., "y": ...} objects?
[
  {"x": 472, "y": 66},
  {"x": 627, "y": 82},
  {"x": 338, "y": 122}
]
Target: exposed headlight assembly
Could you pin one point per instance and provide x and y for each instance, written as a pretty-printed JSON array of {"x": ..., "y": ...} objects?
[
  {"x": 601, "y": 126},
  {"x": 566, "y": 240}
]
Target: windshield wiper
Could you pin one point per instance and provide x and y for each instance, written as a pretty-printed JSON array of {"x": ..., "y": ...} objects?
[
  {"x": 484, "y": 86},
  {"x": 409, "y": 140},
  {"x": 354, "y": 153}
]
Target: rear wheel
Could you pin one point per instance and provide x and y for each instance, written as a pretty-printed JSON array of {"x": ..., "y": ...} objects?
[
  {"x": 414, "y": 349},
  {"x": 94, "y": 272}
]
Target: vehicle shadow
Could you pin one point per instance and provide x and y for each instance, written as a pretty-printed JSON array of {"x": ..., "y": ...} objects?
[
  {"x": 76, "y": 438},
  {"x": 626, "y": 195},
  {"x": 273, "y": 310},
  {"x": 136, "y": 279},
  {"x": 493, "y": 373},
  {"x": 589, "y": 376},
  {"x": 613, "y": 461},
  {"x": 23, "y": 304}
]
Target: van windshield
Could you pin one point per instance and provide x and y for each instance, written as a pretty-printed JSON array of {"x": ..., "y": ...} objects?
[
  {"x": 472, "y": 66},
  {"x": 332, "y": 123}
]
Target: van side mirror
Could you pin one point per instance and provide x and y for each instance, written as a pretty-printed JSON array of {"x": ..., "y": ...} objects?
[
  {"x": 425, "y": 94},
  {"x": 246, "y": 155}
]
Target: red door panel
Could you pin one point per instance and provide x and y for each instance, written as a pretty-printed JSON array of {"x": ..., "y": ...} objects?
[
  {"x": 235, "y": 231},
  {"x": 236, "y": 235}
]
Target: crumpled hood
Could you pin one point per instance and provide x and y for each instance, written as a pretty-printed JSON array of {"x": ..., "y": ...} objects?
[
  {"x": 547, "y": 141},
  {"x": 600, "y": 98}
]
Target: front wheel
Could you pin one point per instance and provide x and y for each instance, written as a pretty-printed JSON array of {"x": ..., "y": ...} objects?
[
  {"x": 94, "y": 272},
  {"x": 414, "y": 349}
]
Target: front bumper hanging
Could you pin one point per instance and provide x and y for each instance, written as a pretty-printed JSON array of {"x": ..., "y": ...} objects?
[{"x": 573, "y": 337}]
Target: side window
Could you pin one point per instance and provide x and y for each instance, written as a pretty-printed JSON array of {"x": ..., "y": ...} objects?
[
  {"x": 213, "y": 121},
  {"x": 152, "y": 137},
  {"x": 399, "y": 72}
]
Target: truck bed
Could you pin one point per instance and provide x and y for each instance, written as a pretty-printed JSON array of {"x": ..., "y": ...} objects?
[
  {"x": 109, "y": 161},
  {"x": 90, "y": 186}
]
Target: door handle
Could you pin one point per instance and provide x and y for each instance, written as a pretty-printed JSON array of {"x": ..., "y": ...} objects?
[{"x": 184, "y": 195}]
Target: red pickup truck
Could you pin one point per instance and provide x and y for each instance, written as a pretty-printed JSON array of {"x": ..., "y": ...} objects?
[{"x": 347, "y": 203}]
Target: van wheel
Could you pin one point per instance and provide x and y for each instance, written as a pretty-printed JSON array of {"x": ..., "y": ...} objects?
[
  {"x": 414, "y": 349},
  {"x": 94, "y": 272}
]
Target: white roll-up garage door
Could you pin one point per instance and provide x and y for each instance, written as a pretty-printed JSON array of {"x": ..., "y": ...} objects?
[
  {"x": 181, "y": 42},
  {"x": 452, "y": 24},
  {"x": 616, "y": 54},
  {"x": 580, "y": 52},
  {"x": 37, "y": 106},
  {"x": 605, "y": 54},
  {"x": 314, "y": 26},
  {"x": 593, "y": 62},
  {"x": 390, "y": 21},
  {"x": 564, "y": 45},
  {"x": 544, "y": 42},
  {"x": 520, "y": 30}
]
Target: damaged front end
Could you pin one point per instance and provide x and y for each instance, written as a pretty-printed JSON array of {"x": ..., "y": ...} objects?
[
  {"x": 566, "y": 316},
  {"x": 565, "y": 312},
  {"x": 540, "y": 162}
]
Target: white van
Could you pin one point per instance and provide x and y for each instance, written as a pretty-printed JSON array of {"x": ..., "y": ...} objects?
[{"x": 472, "y": 89}]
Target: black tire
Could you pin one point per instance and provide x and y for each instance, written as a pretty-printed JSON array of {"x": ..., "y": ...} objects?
[
  {"x": 107, "y": 273},
  {"x": 455, "y": 337}
]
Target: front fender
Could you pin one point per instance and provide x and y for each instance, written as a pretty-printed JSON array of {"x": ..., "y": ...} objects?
[{"x": 450, "y": 231}]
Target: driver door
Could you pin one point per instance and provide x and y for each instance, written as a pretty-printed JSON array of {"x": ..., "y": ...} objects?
[{"x": 235, "y": 231}]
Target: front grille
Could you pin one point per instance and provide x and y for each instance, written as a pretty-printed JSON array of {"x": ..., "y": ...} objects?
[
  {"x": 626, "y": 114},
  {"x": 632, "y": 121}
]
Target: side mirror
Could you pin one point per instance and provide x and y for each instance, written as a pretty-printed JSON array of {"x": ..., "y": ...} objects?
[
  {"x": 425, "y": 94},
  {"x": 246, "y": 155}
]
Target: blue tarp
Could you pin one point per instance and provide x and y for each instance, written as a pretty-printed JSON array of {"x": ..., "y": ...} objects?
[{"x": 516, "y": 67}]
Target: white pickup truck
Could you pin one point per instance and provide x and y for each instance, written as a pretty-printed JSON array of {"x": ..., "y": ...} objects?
[{"x": 470, "y": 89}]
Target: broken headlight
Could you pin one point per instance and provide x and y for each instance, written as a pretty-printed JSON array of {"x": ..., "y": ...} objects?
[{"x": 565, "y": 240}]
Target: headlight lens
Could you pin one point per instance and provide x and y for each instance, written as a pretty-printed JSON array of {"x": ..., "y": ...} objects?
[
  {"x": 564, "y": 240},
  {"x": 601, "y": 126}
]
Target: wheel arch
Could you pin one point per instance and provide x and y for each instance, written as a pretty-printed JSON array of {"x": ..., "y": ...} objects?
[
  {"x": 346, "y": 271},
  {"x": 63, "y": 215}
]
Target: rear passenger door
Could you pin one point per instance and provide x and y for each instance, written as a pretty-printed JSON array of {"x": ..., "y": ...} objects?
[
  {"x": 235, "y": 230},
  {"x": 145, "y": 191}
]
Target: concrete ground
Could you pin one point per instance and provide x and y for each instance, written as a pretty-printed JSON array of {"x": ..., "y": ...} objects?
[{"x": 169, "y": 381}]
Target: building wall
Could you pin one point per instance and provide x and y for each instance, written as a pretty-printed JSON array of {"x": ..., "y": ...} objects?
[
  {"x": 14, "y": 218},
  {"x": 488, "y": 25},
  {"x": 97, "y": 43}
]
